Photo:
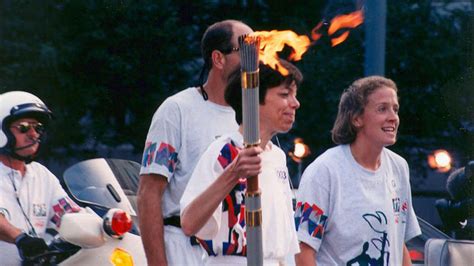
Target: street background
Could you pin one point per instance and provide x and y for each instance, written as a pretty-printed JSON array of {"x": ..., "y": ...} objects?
[{"x": 103, "y": 67}]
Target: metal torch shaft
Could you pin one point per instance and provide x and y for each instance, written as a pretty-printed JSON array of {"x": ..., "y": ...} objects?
[{"x": 249, "y": 48}]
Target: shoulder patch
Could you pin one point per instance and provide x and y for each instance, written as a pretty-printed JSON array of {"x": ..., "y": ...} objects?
[
  {"x": 313, "y": 216},
  {"x": 164, "y": 155},
  {"x": 227, "y": 154}
]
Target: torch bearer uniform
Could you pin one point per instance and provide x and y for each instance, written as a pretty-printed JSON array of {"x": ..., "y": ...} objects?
[
  {"x": 181, "y": 129},
  {"x": 354, "y": 216},
  {"x": 223, "y": 236}
]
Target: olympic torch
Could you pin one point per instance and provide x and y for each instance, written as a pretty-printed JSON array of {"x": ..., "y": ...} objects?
[{"x": 249, "y": 50}]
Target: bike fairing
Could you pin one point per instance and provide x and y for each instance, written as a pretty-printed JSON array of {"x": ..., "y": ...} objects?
[
  {"x": 350, "y": 214},
  {"x": 223, "y": 236},
  {"x": 42, "y": 199}
]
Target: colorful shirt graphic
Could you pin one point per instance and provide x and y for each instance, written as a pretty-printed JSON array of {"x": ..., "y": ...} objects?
[
  {"x": 43, "y": 201},
  {"x": 165, "y": 156},
  {"x": 224, "y": 234},
  {"x": 312, "y": 216},
  {"x": 353, "y": 216},
  {"x": 64, "y": 205},
  {"x": 378, "y": 223},
  {"x": 233, "y": 207}
]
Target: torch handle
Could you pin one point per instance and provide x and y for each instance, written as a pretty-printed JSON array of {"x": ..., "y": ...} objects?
[
  {"x": 252, "y": 181},
  {"x": 249, "y": 48},
  {"x": 252, "y": 184},
  {"x": 253, "y": 221}
]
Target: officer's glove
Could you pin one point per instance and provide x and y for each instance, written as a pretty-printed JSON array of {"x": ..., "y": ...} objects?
[{"x": 29, "y": 246}]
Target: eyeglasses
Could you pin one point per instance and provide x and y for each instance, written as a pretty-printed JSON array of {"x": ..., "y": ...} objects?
[
  {"x": 24, "y": 127},
  {"x": 231, "y": 50}
]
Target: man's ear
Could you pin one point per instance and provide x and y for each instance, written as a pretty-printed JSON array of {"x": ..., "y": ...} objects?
[{"x": 218, "y": 59}]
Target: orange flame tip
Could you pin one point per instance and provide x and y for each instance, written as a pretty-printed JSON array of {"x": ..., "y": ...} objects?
[
  {"x": 273, "y": 42},
  {"x": 340, "y": 39},
  {"x": 351, "y": 20}
]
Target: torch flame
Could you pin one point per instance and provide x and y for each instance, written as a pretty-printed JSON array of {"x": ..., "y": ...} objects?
[
  {"x": 315, "y": 35},
  {"x": 273, "y": 42},
  {"x": 337, "y": 40},
  {"x": 351, "y": 20}
]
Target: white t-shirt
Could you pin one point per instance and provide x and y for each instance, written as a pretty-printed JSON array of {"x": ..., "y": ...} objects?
[
  {"x": 224, "y": 233},
  {"x": 42, "y": 199},
  {"x": 181, "y": 129},
  {"x": 349, "y": 214}
]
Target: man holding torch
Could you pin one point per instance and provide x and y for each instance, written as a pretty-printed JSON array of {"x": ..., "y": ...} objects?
[
  {"x": 181, "y": 130},
  {"x": 213, "y": 203}
]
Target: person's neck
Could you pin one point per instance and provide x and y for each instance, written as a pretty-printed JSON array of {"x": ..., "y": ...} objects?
[
  {"x": 366, "y": 155},
  {"x": 265, "y": 137},
  {"x": 13, "y": 163},
  {"x": 215, "y": 88}
]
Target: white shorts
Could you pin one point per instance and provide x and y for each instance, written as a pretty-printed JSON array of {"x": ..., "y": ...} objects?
[
  {"x": 179, "y": 251},
  {"x": 238, "y": 260}
]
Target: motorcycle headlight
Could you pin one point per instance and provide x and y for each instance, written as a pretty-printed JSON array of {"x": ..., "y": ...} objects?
[
  {"x": 121, "y": 257},
  {"x": 117, "y": 222}
]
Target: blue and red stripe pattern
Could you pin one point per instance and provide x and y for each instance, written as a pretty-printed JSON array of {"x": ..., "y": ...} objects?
[
  {"x": 313, "y": 216},
  {"x": 233, "y": 207},
  {"x": 166, "y": 155},
  {"x": 64, "y": 205},
  {"x": 227, "y": 154}
]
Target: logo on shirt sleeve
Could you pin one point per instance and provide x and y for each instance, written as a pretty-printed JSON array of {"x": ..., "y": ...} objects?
[
  {"x": 227, "y": 154},
  {"x": 149, "y": 154},
  {"x": 166, "y": 155},
  {"x": 313, "y": 217},
  {"x": 64, "y": 205}
]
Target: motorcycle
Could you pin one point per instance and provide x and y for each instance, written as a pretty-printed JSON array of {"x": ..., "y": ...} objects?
[{"x": 106, "y": 232}]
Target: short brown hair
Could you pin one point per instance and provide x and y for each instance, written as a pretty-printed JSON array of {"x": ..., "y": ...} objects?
[
  {"x": 352, "y": 103},
  {"x": 269, "y": 78}
]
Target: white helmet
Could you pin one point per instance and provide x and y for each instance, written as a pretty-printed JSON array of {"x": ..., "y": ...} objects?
[{"x": 15, "y": 105}]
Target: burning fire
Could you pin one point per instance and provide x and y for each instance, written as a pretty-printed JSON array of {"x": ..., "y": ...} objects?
[
  {"x": 351, "y": 20},
  {"x": 272, "y": 42}
]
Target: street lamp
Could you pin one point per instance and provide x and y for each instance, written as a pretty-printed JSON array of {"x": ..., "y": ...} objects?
[
  {"x": 440, "y": 160},
  {"x": 300, "y": 151}
]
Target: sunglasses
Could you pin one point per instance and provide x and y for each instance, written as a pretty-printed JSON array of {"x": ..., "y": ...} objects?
[
  {"x": 24, "y": 127},
  {"x": 231, "y": 50}
]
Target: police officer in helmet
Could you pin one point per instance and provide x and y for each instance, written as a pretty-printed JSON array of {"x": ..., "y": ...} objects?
[{"x": 32, "y": 198}]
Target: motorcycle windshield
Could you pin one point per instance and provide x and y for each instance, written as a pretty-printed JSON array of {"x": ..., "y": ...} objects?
[{"x": 104, "y": 182}]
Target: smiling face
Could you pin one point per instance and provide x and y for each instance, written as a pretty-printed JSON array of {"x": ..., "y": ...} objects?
[
  {"x": 277, "y": 114},
  {"x": 378, "y": 124}
]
